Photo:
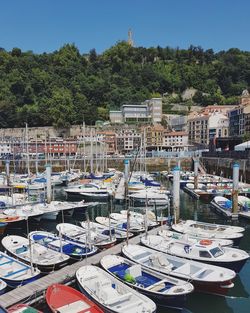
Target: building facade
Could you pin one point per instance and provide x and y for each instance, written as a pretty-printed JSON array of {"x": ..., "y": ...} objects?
[
  {"x": 128, "y": 140},
  {"x": 205, "y": 126},
  {"x": 239, "y": 117},
  {"x": 150, "y": 111},
  {"x": 175, "y": 141}
]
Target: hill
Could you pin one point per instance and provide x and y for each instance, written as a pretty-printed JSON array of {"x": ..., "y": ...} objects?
[{"x": 63, "y": 87}]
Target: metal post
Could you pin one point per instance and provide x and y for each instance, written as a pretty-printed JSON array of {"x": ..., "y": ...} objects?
[
  {"x": 91, "y": 151},
  {"x": 27, "y": 149},
  {"x": 48, "y": 180},
  {"x": 176, "y": 193},
  {"x": 196, "y": 165},
  {"x": 235, "y": 190},
  {"x": 7, "y": 166},
  {"x": 126, "y": 174}
]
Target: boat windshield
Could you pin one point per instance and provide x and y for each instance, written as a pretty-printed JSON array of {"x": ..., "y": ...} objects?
[{"x": 216, "y": 252}]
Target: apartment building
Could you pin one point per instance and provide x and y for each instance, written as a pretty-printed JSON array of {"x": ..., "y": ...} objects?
[
  {"x": 175, "y": 141},
  {"x": 239, "y": 117},
  {"x": 127, "y": 140},
  {"x": 205, "y": 126},
  {"x": 153, "y": 135}
]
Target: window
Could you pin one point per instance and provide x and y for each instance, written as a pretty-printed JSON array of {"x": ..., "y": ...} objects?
[
  {"x": 204, "y": 254},
  {"x": 216, "y": 252}
]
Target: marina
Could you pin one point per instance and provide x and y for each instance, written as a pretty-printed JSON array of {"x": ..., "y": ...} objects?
[{"x": 34, "y": 292}]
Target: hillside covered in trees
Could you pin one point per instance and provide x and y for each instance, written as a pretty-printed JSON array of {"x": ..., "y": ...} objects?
[{"x": 63, "y": 87}]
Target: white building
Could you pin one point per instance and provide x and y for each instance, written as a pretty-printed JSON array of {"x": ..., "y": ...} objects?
[
  {"x": 5, "y": 148},
  {"x": 116, "y": 117},
  {"x": 175, "y": 141},
  {"x": 205, "y": 126},
  {"x": 155, "y": 109},
  {"x": 150, "y": 111},
  {"x": 218, "y": 124}
]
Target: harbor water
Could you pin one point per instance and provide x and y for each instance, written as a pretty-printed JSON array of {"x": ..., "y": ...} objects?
[{"x": 237, "y": 300}]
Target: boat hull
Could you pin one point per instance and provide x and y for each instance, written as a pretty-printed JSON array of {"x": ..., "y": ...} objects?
[
  {"x": 16, "y": 283},
  {"x": 41, "y": 267},
  {"x": 220, "y": 289},
  {"x": 235, "y": 266}
]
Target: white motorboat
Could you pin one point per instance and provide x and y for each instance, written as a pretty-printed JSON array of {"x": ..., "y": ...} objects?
[
  {"x": 106, "y": 222},
  {"x": 149, "y": 197},
  {"x": 104, "y": 230},
  {"x": 134, "y": 219},
  {"x": 163, "y": 289},
  {"x": 150, "y": 216},
  {"x": 89, "y": 190},
  {"x": 224, "y": 206},
  {"x": 205, "y": 277},
  {"x": 44, "y": 258},
  {"x": 190, "y": 239},
  {"x": 85, "y": 236},
  {"x": 205, "y": 251},
  {"x": 210, "y": 231},
  {"x": 121, "y": 224},
  {"x": 15, "y": 273},
  {"x": 244, "y": 204},
  {"x": 110, "y": 293},
  {"x": 75, "y": 250}
]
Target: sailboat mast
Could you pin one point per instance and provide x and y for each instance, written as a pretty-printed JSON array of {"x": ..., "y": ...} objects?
[
  {"x": 91, "y": 150},
  {"x": 84, "y": 146},
  {"x": 27, "y": 148},
  {"x": 36, "y": 155}
]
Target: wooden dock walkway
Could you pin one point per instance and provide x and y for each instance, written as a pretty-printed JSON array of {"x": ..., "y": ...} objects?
[{"x": 65, "y": 275}]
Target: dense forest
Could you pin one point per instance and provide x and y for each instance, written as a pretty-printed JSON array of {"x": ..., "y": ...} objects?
[{"x": 65, "y": 87}]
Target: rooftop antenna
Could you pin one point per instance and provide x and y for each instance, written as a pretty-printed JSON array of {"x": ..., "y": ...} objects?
[{"x": 130, "y": 39}]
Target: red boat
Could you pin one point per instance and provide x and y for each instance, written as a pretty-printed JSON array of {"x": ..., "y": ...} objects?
[
  {"x": 20, "y": 308},
  {"x": 61, "y": 298}
]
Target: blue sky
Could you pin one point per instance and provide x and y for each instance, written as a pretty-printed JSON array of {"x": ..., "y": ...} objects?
[{"x": 46, "y": 25}]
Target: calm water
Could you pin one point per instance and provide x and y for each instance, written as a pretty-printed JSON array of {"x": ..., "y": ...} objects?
[{"x": 237, "y": 301}]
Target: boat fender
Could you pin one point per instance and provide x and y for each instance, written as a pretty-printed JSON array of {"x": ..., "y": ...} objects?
[{"x": 206, "y": 242}]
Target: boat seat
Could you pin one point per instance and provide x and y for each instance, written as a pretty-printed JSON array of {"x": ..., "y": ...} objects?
[
  {"x": 156, "y": 287},
  {"x": 160, "y": 261},
  {"x": 118, "y": 299},
  {"x": 132, "y": 305},
  {"x": 134, "y": 270},
  {"x": 38, "y": 249}
]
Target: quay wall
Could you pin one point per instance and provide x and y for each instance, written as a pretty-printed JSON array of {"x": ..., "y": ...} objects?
[
  {"x": 41, "y": 132},
  {"x": 224, "y": 167},
  {"x": 152, "y": 164}
]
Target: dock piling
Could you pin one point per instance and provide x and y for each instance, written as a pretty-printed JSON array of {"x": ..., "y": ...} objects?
[
  {"x": 7, "y": 168},
  {"x": 196, "y": 166},
  {"x": 48, "y": 181},
  {"x": 176, "y": 193},
  {"x": 235, "y": 190}
]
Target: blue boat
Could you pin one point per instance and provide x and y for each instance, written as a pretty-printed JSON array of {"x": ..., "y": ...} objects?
[
  {"x": 74, "y": 250},
  {"x": 16, "y": 273}
]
